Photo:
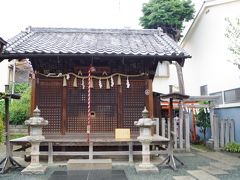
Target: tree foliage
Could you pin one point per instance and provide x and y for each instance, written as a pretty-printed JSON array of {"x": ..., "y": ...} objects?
[
  {"x": 19, "y": 109},
  {"x": 203, "y": 121},
  {"x": 167, "y": 14},
  {"x": 233, "y": 34}
]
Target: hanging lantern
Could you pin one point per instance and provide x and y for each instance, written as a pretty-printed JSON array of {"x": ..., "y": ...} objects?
[
  {"x": 64, "y": 82},
  {"x": 91, "y": 83},
  {"x": 119, "y": 82},
  {"x": 75, "y": 82},
  {"x": 112, "y": 82},
  {"x": 100, "y": 83},
  {"x": 83, "y": 86},
  {"x": 127, "y": 83},
  {"x": 107, "y": 84}
]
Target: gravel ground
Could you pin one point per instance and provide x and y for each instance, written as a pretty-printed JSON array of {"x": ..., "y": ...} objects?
[{"x": 191, "y": 160}]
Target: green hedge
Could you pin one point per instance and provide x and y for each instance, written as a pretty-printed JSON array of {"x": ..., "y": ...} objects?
[{"x": 232, "y": 147}]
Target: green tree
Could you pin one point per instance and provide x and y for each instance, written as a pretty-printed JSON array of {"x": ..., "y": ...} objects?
[
  {"x": 167, "y": 14},
  {"x": 233, "y": 34},
  {"x": 19, "y": 109},
  {"x": 203, "y": 121}
]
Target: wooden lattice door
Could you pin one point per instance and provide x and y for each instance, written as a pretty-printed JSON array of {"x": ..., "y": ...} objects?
[
  {"x": 103, "y": 108},
  {"x": 134, "y": 100},
  {"x": 49, "y": 101}
]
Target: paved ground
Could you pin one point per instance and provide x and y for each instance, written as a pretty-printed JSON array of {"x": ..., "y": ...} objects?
[{"x": 198, "y": 165}]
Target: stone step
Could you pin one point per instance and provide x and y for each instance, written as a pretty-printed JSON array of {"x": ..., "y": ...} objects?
[
  {"x": 202, "y": 175},
  {"x": 212, "y": 170},
  {"x": 86, "y": 164},
  {"x": 183, "y": 178}
]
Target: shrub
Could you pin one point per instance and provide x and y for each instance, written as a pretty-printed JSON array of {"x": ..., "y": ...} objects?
[
  {"x": 1, "y": 128},
  {"x": 20, "y": 109},
  {"x": 232, "y": 147}
]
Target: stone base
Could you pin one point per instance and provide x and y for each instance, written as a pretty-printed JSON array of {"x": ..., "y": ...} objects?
[
  {"x": 145, "y": 169},
  {"x": 34, "y": 170},
  {"x": 210, "y": 144},
  {"x": 86, "y": 164}
]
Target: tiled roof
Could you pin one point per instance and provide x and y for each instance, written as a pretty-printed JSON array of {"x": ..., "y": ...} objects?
[
  {"x": 144, "y": 42},
  {"x": 2, "y": 41}
]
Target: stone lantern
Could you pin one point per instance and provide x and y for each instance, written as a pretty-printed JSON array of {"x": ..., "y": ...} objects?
[
  {"x": 36, "y": 124},
  {"x": 145, "y": 124}
]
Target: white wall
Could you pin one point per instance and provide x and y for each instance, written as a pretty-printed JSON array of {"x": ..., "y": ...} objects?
[
  {"x": 208, "y": 47},
  {"x": 3, "y": 75},
  {"x": 161, "y": 84}
]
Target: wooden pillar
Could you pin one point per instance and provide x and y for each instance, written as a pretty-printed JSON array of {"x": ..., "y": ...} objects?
[
  {"x": 8, "y": 148},
  {"x": 149, "y": 97},
  {"x": 64, "y": 111},
  {"x": 33, "y": 94},
  {"x": 120, "y": 105}
]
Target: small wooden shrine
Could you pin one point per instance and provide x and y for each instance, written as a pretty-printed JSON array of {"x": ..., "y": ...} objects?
[{"x": 123, "y": 65}]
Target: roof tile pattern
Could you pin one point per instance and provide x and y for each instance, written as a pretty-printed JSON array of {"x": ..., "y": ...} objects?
[{"x": 150, "y": 42}]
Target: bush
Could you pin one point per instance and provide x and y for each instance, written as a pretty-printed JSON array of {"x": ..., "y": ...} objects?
[
  {"x": 1, "y": 128},
  {"x": 20, "y": 109},
  {"x": 232, "y": 147}
]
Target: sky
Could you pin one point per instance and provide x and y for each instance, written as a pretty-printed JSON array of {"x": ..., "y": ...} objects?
[{"x": 18, "y": 15}]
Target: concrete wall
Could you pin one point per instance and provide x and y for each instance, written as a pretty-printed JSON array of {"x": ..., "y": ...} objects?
[{"x": 231, "y": 113}]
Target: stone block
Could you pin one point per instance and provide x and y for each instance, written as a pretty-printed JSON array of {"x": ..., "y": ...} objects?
[{"x": 86, "y": 164}]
